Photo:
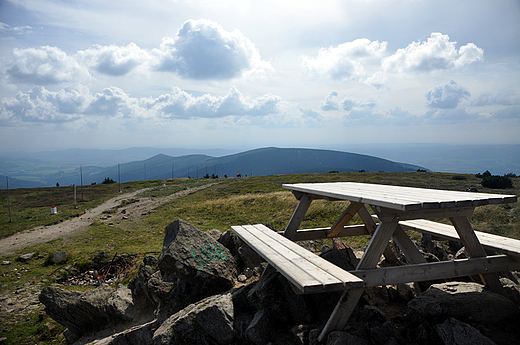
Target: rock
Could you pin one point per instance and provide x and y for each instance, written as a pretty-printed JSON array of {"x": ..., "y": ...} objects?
[
  {"x": 100, "y": 257},
  {"x": 407, "y": 291},
  {"x": 26, "y": 257},
  {"x": 454, "y": 332},
  {"x": 141, "y": 335},
  {"x": 206, "y": 322},
  {"x": 512, "y": 290},
  {"x": 250, "y": 259},
  {"x": 275, "y": 294},
  {"x": 242, "y": 278},
  {"x": 6, "y": 262},
  {"x": 121, "y": 304},
  {"x": 90, "y": 311},
  {"x": 342, "y": 338},
  {"x": 259, "y": 330},
  {"x": 215, "y": 234},
  {"x": 60, "y": 256},
  {"x": 194, "y": 257},
  {"x": 344, "y": 258},
  {"x": 464, "y": 301}
]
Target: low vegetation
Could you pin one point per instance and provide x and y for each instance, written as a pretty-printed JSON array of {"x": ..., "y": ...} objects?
[{"x": 226, "y": 202}]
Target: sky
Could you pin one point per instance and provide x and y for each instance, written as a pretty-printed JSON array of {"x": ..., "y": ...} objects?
[{"x": 248, "y": 74}]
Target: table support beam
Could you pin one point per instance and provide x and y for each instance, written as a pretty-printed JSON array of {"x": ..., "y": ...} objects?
[
  {"x": 370, "y": 259},
  {"x": 346, "y": 217},
  {"x": 372, "y": 226},
  {"x": 474, "y": 248},
  {"x": 297, "y": 217}
]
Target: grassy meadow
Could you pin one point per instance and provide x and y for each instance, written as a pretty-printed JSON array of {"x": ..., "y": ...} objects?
[{"x": 226, "y": 202}]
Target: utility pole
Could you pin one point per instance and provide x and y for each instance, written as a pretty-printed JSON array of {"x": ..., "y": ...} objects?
[
  {"x": 81, "y": 180},
  {"x": 172, "y": 169},
  {"x": 144, "y": 174},
  {"x": 8, "y": 198},
  {"x": 75, "y": 205},
  {"x": 119, "y": 175}
]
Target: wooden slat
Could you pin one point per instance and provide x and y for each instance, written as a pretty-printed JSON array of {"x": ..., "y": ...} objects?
[
  {"x": 297, "y": 217},
  {"x": 400, "y": 198},
  {"x": 308, "y": 272},
  {"x": 345, "y": 218},
  {"x": 436, "y": 270},
  {"x": 497, "y": 243},
  {"x": 322, "y": 233}
]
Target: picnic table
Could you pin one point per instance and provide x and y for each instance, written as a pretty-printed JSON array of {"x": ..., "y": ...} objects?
[{"x": 395, "y": 209}]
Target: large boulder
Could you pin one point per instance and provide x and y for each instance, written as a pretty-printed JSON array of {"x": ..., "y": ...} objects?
[
  {"x": 463, "y": 301},
  {"x": 90, "y": 311},
  {"x": 209, "y": 321},
  {"x": 196, "y": 258},
  {"x": 454, "y": 332}
]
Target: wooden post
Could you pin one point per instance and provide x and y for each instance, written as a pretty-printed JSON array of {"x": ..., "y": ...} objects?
[
  {"x": 297, "y": 217},
  {"x": 75, "y": 197},
  {"x": 8, "y": 198}
]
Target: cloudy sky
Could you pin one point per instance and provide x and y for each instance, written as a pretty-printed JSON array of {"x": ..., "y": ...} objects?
[{"x": 247, "y": 74}]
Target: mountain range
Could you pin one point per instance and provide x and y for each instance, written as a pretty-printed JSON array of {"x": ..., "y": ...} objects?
[{"x": 65, "y": 167}]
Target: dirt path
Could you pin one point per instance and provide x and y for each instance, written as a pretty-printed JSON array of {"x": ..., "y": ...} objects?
[{"x": 9, "y": 245}]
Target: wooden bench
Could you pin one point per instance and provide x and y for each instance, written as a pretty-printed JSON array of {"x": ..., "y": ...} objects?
[
  {"x": 500, "y": 244},
  {"x": 307, "y": 272}
]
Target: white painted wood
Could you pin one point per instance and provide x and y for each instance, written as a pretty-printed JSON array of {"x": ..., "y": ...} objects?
[
  {"x": 308, "y": 272},
  {"x": 399, "y": 198}
]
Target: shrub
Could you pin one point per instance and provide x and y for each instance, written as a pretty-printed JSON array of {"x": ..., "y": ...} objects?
[
  {"x": 497, "y": 182},
  {"x": 108, "y": 180},
  {"x": 459, "y": 177}
]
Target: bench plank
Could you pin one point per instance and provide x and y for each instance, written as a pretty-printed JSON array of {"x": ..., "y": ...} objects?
[
  {"x": 308, "y": 272},
  {"x": 500, "y": 244}
]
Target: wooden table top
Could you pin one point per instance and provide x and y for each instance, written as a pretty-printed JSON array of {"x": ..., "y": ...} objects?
[{"x": 397, "y": 197}]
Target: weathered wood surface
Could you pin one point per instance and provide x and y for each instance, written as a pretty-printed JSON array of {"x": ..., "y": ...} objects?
[
  {"x": 500, "y": 244},
  {"x": 397, "y": 197},
  {"x": 308, "y": 272},
  {"x": 436, "y": 270}
]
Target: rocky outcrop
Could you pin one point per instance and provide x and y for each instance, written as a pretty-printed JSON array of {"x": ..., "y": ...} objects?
[
  {"x": 190, "y": 295},
  {"x": 89, "y": 311}
]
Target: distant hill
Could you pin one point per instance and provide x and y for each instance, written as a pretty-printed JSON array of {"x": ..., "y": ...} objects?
[{"x": 258, "y": 162}]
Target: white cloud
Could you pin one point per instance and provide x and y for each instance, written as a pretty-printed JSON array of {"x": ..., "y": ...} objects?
[
  {"x": 446, "y": 96},
  {"x": 113, "y": 60},
  {"x": 437, "y": 53},
  {"x": 501, "y": 98},
  {"x": 181, "y": 104},
  {"x": 331, "y": 102},
  {"x": 345, "y": 61},
  {"x": 40, "y": 104},
  {"x": 45, "y": 65},
  {"x": 202, "y": 49}
]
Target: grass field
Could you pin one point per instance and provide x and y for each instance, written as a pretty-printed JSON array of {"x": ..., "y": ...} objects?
[{"x": 227, "y": 202}]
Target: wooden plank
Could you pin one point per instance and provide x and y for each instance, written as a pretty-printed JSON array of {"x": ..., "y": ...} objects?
[
  {"x": 436, "y": 270},
  {"x": 345, "y": 218},
  {"x": 497, "y": 243},
  {"x": 341, "y": 313},
  {"x": 410, "y": 251},
  {"x": 297, "y": 217},
  {"x": 386, "y": 214},
  {"x": 299, "y": 278},
  {"x": 370, "y": 224},
  {"x": 400, "y": 198},
  {"x": 322, "y": 233},
  {"x": 348, "y": 279},
  {"x": 377, "y": 244},
  {"x": 308, "y": 272},
  {"x": 475, "y": 249}
]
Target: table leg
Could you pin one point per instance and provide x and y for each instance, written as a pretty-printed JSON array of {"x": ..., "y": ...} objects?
[
  {"x": 346, "y": 217},
  {"x": 371, "y": 227},
  {"x": 413, "y": 255},
  {"x": 297, "y": 217},
  {"x": 350, "y": 298},
  {"x": 474, "y": 248}
]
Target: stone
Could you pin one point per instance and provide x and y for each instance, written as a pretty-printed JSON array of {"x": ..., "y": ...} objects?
[
  {"x": 454, "y": 332},
  {"x": 249, "y": 258},
  {"x": 463, "y": 301},
  {"x": 342, "y": 338},
  {"x": 214, "y": 233},
  {"x": 6, "y": 262},
  {"x": 26, "y": 257},
  {"x": 194, "y": 257},
  {"x": 259, "y": 329},
  {"x": 206, "y": 322},
  {"x": 140, "y": 334},
  {"x": 407, "y": 291},
  {"x": 121, "y": 304},
  {"x": 60, "y": 256}
]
